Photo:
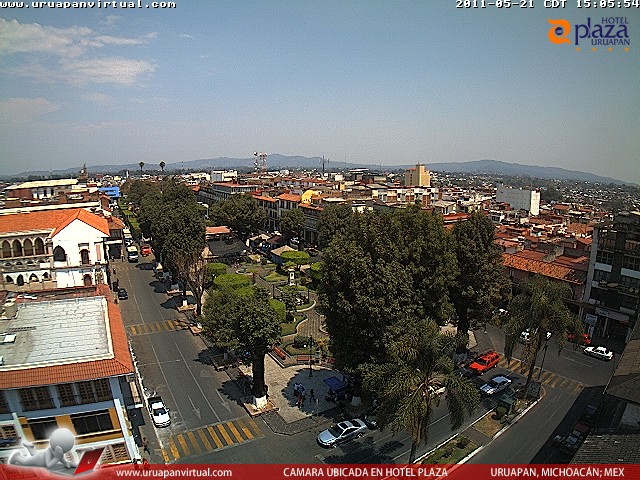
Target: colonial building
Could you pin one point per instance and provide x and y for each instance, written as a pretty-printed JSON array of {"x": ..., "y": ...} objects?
[{"x": 65, "y": 362}]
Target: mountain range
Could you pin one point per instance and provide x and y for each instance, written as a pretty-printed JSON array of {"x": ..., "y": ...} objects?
[{"x": 280, "y": 162}]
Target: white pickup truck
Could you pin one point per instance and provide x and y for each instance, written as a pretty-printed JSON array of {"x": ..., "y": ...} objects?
[{"x": 132, "y": 253}]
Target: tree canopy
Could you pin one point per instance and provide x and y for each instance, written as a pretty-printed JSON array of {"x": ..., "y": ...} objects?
[
  {"x": 380, "y": 269},
  {"x": 295, "y": 256},
  {"x": 248, "y": 321},
  {"x": 480, "y": 284},
  {"x": 291, "y": 222},
  {"x": 240, "y": 212},
  {"x": 332, "y": 220}
]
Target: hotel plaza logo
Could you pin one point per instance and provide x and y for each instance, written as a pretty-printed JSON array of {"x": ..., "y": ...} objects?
[{"x": 606, "y": 32}]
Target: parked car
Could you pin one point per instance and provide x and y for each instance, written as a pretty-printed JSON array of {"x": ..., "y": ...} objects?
[
  {"x": 122, "y": 294},
  {"x": 599, "y": 352},
  {"x": 485, "y": 362},
  {"x": 159, "y": 412},
  {"x": 527, "y": 336},
  {"x": 145, "y": 250},
  {"x": 495, "y": 385},
  {"x": 580, "y": 338},
  {"x": 371, "y": 418},
  {"x": 341, "y": 432}
]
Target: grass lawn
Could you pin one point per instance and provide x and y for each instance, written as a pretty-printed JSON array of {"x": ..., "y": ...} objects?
[
  {"x": 488, "y": 425},
  {"x": 275, "y": 277},
  {"x": 291, "y": 350},
  {"x": 451, "y": 452},
  {"x": 290, "y": 328}
]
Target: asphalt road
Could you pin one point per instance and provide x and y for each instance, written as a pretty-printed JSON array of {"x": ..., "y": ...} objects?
[{"x": 209, "y": 425}]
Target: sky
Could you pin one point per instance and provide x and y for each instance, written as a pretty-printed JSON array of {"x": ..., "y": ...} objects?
[{"x": 378, "y": 82}]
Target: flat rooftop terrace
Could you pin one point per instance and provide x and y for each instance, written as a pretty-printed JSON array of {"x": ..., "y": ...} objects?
[{"x": 61, "y": 331}]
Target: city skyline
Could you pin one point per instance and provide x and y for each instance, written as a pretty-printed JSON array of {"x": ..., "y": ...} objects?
[{"x": 361, "y": 82}]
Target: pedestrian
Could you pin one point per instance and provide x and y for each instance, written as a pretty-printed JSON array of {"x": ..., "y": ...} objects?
[
  {"x": 145, "y": 445},
  {"x": 145, "y": 464},
  {"x": 296, "y": 390},
  {"x": 266, "y": 391},
  {"x": 312, "y": 396}
]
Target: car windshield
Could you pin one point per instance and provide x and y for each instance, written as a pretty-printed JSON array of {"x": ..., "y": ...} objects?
[
  {"x": 159, "y": 411},
  {"x": 494, "y": 384},
  {"x": 335, "y": 430},
  {"x": 481, "y": 361}
]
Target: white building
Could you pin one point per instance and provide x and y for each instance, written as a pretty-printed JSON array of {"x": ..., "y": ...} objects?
[
  {"x": 519, "y": 199},
  {"x": 47, "y": 249}
]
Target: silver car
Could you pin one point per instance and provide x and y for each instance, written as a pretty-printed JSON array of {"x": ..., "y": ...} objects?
[
  {"x": 341, "y": 432},
  {"x": 495, "y": 385}
]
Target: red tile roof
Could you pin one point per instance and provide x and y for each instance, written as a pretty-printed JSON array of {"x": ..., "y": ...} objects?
[
  {"x": 554, "y": 270},
  {"x": 120, "y": 364},
  {"x": 290, "y": 197},
  {"x": 217, "y": 230},
  {"x": 54, "y": 220}
]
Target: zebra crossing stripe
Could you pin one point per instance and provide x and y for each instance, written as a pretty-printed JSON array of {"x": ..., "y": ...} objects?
[
  {"x": 254, "y": 425},
  {"x": 235, "y": 432},
  {"x": 205, "y": 440},
  {"x": 174, "y": 449},
  {"x": 133, "y": 330},
  {"x": 183, "y": 444},
  {"x": 245, "y": 430},
  {"x": 224, "y": 434},
  {"x": 194, "y": 442},
  {"x": 165, "y": 456},
  {"x": 213, "y": 434}
]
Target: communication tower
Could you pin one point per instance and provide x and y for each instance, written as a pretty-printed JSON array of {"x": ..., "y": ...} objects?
[{"x": 260, "y": 163}]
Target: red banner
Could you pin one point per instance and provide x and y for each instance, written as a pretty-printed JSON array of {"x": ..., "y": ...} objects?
[{"x": 337, "y": 472}]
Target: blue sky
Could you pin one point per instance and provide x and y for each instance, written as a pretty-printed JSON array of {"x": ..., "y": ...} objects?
[{"x": 384, "y": 82}]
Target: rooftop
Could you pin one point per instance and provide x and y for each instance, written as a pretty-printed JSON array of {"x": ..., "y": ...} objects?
[{"x": 64, "y": 341}]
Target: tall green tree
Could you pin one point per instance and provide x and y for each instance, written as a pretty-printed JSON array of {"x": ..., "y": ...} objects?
[
  {"x": 540, "y": 307},
  {"x": 331, "y": 222},
  {"x": 233, "y": 320},
  {"x": 290, "y": 299},
  {"x": 407, "y": 383},
  {"x": 291, "y": 223},
  {"x": 379, "y": 270},
  {"x": 240, "y": 212},
  {"x": 480, "y": 285}
]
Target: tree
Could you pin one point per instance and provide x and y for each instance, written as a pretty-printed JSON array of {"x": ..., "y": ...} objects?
[
  {"x": 248, "y": 321},
  {"x": 332, "y": 221},
  {"x": 480, "y": 284},
  {"x": 295, "y": 256},
  {"x": 214, "y": 269},
  {"x": 141, "y": 164},
  {"x": 407, "y": 384},
  {"x": 232, "y": 281},
  {"x": 539, "y": 306},
  {"x": 379, "y": 270},
  {"x": 240, "y": 212},
  {"x": 162, "y": 165},
  {"x": 290, "y": 300},
  {"x": 291, "y": 223}
]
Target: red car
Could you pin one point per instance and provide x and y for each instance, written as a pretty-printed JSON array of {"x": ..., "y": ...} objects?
[
  {"x": 582, "y": 339},
  {"x": 485, "y": 362},
  {"x": 145, "y": 250}
]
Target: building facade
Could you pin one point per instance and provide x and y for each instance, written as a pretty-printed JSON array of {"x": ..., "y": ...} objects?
[{"x": 519, "y": 198}]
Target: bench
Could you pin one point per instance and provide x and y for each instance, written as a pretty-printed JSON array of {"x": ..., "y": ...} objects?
[
  {"x": 279, "y": 352},
  {"x": 302, "y": 358}
]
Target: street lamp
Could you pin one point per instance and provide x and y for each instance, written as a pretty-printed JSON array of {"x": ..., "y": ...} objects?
[{"x": 310, "y": 364}]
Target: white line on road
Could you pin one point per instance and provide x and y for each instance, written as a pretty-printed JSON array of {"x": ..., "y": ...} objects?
[{"x": 197, "y": 384}]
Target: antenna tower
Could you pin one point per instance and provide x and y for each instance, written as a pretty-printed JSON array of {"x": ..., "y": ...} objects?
[{"x": 260, "y": 162}]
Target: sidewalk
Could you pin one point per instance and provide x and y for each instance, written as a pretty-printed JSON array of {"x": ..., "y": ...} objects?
[{"x": 288, "y": 418}]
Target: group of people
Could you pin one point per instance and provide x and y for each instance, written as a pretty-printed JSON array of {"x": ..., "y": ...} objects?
[{"x": 300, "y": 394}]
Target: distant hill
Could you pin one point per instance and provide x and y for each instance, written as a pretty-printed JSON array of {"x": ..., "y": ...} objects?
[{"x": 280, "y": 162}]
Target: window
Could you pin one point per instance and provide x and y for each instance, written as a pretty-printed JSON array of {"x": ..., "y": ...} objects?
[
  {"x": 629, "y": 301},
  {"x": 8, "y": 431},
  {"x": 94, "y": 391},
  {"x": 17, "y": 248},
  {"x": 632, "y": 263},
  {"x": 36, "y": 398},
  {"x": 92, "y": 422},
  {"x": 28, "y": 248},
  {"x": 42, "y": 428},
  {"x": 39, "y": 246},
  {"x": 6, "y": 249},
  {"x": 59, "y": 255},
  {"x": 604, "y": 257},
  {"x": 84, "y": 257},
  {"x": 4, "y": 406},
  {"x": 601, "y": 276},
  {"x": 66, "y": 395}
]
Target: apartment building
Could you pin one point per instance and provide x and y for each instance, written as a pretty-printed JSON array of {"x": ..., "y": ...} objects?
[{"x": 65, "y": 362}]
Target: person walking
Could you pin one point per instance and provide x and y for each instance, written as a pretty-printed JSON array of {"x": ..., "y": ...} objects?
[
  {"x": 145, "y": 445},
  {"x": 312, "y": 396}
]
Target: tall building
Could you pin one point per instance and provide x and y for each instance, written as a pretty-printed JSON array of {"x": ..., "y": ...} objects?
[
  {"x": 519, "y": 198},
  {"x": 417, "y": 177},
  {"x": 65, "y": 363},
  {"x": 613, "y": 281}
]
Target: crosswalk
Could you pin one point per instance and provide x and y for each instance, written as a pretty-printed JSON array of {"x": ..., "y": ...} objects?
[
  {"x": 210, "y": 438},
  {"x": 548, "y": 378},
  {"x": 155, "y": 327}
]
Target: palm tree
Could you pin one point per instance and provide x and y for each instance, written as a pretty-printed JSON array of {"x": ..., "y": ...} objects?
[
  {"x": 539, "y": 307},
  {"x": 141, "y": 164},
  {"x": 162, "y": 164},
  {"x": 407, "y": 386}
]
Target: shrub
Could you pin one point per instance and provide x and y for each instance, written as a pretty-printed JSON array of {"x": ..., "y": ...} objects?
[
  {"x": 301, "y": 341},
  {"x": 231, "y": 280},
  {"x": 500, "y": 412},
  {"x": 295, "y": 256}
]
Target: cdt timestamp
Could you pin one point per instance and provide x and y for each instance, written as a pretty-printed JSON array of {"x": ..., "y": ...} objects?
[{"x": 494, "y": 3}]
